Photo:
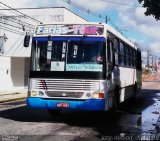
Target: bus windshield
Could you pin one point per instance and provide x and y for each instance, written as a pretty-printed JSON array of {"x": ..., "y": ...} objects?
[{"x": 68, "y": 54}]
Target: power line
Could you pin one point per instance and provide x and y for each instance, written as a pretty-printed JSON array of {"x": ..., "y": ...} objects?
[
  {"x": 14, "y": 20},
  {"x": 120, "y": 3},
  {"x": 20, "y": 12},
  {"x": 10, "y": 19},
  {"x": 11, "y": 25},
  {"x": 10, "y": 30},
  {"x": 23, "y": 22},
  {"x": 88, "y": 11},
  {"x": 82, "y": 9},
  {"x": 10, "y": 10},
  {"x": 14, "y": 43},
  {"x": 17, "y": 47}
]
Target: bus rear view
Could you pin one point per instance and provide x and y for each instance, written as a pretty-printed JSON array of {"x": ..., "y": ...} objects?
[{"x": 68, "y": 68}]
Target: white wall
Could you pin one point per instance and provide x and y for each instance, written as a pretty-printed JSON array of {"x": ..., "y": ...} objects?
[
  {"x": 14, "y": 44},
  {"x": 17, "y": 71},
  {"x": 14, "y": 72},
  {"x": 52, "y": 15},
  {"x": 5, "y": 74},
  {"x": 14, "y": 63}
]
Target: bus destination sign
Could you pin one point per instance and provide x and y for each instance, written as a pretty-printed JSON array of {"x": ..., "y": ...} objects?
[{"x": 78, "y": 29}]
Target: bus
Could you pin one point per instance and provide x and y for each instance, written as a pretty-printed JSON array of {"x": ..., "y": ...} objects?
[{"x": 87, "y": 66}]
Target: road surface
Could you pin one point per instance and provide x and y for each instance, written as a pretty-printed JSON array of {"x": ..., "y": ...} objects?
[{"x": 135, "y": 120}]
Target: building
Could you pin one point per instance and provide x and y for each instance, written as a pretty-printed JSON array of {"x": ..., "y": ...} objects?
[{"x": 14, "y": 24}]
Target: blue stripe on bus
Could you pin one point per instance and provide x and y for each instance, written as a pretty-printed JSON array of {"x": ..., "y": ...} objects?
[
  {"x": 90, "y": 104},
  {"x": 69, "y": 38}
]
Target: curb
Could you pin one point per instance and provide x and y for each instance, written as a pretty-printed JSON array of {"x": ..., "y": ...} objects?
[{"x": 12, "y": 99}]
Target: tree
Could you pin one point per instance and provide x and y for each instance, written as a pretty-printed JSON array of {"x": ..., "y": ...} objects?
[{"x": 152, "y": 8}]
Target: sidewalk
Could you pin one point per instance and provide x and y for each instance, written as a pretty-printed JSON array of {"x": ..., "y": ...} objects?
[
  {"x": 12, "y": 95},
  {"x": 151, "y": 77}
]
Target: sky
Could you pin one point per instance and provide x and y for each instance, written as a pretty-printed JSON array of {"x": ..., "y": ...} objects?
[{"x": 130, "y": 20}]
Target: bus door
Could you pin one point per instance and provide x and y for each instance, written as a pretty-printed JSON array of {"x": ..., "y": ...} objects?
[{"x": 110, "y": 66}]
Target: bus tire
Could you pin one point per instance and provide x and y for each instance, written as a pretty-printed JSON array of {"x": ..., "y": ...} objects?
[
  {"x": 116, "y": 99},
  {"x": 53, "y": 112}
]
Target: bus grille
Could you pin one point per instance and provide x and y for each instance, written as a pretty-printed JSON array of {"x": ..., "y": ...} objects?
[
  {"x": 64, "y": 94},
  {"x": 65, "y": 88}
]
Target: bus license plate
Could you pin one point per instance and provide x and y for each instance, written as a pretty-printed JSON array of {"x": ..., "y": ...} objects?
[{"x": 64, "y": 105}]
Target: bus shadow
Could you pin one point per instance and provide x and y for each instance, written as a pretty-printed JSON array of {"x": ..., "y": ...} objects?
[{"x": 103, "y": 123}]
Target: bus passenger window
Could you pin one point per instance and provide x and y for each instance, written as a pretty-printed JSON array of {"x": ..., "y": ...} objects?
[
  {"x": 122, "y": 54},
  {"x": 110, "y": 51},
  {"x": 127, "y": 55},
  {"x": 116, "y": 44}
]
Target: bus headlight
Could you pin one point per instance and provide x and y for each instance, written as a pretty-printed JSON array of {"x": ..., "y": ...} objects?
[
  {"x": 33, "y": 93},
  {"x": 98, "y": 95},
  {"x": 95, "y": 95}
]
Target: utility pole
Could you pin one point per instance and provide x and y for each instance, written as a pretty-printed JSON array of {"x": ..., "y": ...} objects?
[
  {"x": 106, "y": 19},
  {"x": 148, "y": 58},
  {"x": 152, "y": 62}
]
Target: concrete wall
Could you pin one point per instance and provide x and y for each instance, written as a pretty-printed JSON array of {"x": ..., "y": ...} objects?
[
  {"x": 5, "y": 73},
  {"x": 26, "y": 71},
  {"x": 14, "y": 72},
  {"x": 17, "y": 71}
]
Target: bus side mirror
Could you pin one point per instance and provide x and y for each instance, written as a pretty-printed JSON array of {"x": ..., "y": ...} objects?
[{"x": 26, "y": 41}]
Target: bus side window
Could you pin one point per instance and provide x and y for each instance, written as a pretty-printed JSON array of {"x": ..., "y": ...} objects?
[
  {"x": 110, "y": 53},
  {"x": 122, "y": 54},
  {"x": 116, "y": 44},
  {"x": 139, "y": 61}
]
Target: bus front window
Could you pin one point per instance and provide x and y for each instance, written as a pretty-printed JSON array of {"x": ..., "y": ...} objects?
[
  {"x": 85, "y": 56},
  {"x": 68, "y": 55}
]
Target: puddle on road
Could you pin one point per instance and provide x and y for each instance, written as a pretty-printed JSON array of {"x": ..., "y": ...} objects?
[
  {"x": 150, "y": 117},
  {"x": 158, "y": 94},
  {"x": 146, "y": 121}
]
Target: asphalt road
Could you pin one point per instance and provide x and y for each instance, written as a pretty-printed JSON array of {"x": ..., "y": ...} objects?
[{"x": 135, "y": 119}]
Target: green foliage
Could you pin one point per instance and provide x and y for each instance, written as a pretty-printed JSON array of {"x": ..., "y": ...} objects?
[{"x": 152, "y": 8}]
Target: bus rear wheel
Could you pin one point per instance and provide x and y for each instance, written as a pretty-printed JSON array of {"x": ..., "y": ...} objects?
[
  {"x": 53, "y": 112},
  {"x": 134, "y": 94}
]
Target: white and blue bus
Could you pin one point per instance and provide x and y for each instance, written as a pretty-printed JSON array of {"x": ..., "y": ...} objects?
[{"x": 81, "y": 67}]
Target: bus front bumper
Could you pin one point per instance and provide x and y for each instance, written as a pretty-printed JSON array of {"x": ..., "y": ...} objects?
[{"x": 90, "y": 104}]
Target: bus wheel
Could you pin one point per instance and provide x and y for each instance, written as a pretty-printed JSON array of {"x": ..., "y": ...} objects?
[
  {"x": 116, "y": 99},
  {"x": 54, "y": 112}
]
